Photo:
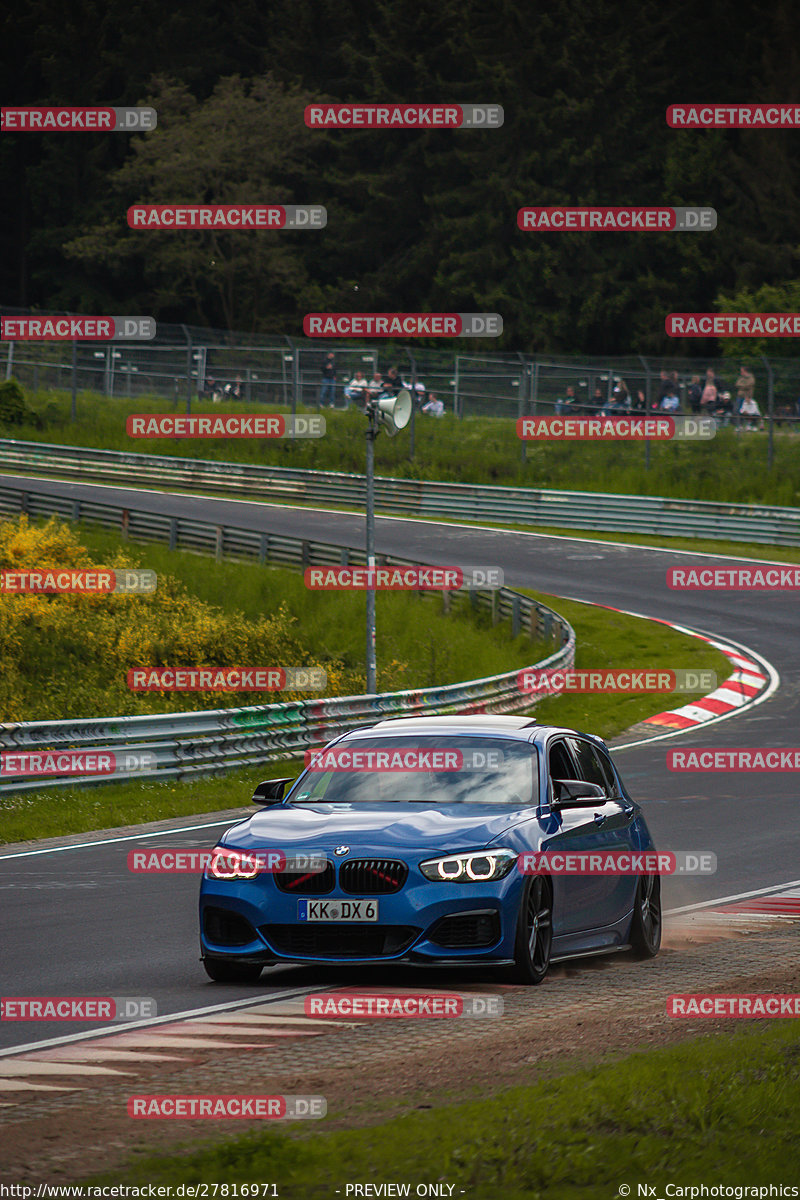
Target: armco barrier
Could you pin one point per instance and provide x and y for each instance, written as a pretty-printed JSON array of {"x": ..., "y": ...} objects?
[
  {"x": 183, "y": 745},
  {"x": 467, "y": 502}
]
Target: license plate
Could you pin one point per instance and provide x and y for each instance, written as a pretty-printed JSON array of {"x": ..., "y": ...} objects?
[{"x": 337, "y": 910}]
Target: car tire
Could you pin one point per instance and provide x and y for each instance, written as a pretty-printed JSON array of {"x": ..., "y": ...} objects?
[
  {"x": 222, "y": 970},
  {"x": 645, "y": 934},
  {"x": 534, "y": 939}
]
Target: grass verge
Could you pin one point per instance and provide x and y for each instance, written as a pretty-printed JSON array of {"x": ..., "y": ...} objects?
[
  {"x": 729, "y": 467},
  {"x": 718, "y": 1109}
]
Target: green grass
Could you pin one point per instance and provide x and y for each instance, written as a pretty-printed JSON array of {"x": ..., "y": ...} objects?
[
  {"x": 418, "y": 645},
  {"x": 475, "y": 450},
  {"x": 611, "y": 639},
  {"x": 714, "y": 1110}
]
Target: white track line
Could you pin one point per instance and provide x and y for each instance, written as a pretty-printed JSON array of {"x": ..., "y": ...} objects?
[
  {"x": 776, "y": 889},
  {"x": 128, "y": 837},
  {"x": 168, "y": 1019}
]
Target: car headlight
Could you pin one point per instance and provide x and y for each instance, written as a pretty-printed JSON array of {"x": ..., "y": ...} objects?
[
  {"x": 477, "y": 867},
  {"x": 232, "y": 864}
]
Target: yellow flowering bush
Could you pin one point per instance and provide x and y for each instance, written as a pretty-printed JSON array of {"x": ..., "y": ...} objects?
[{"x": 68, "y": 655}]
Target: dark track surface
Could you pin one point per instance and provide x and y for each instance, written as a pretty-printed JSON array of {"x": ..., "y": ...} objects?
[{"x": 78, "y": 923}]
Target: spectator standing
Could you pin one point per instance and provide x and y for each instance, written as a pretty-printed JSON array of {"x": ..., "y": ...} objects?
[
  {"x": 694, "y": 394},
  {"x": 745, "y": 386},
  {"x": 393, "y": 383},
  {"x": 640, "y": 400},
  {"x": 327, "y": 394},
  {"x": 710, "y": 394}
]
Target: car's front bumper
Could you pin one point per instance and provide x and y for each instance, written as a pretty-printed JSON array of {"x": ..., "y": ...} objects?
[{"x": 416, "y": 924}]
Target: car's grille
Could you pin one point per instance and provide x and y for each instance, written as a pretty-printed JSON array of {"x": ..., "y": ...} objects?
[
  {"x": 226, "y": 928},
  {"x": 303, "y": 883},
  {"x": 317, "y": 941},
  {"x": 466, "y": 930},
  {"x": 372, "y": 876}
]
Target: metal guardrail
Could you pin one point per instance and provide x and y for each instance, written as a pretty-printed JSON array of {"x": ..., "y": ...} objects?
[
  {"x": 184, "y": 745},
  {"x": 472, "y": 502}
]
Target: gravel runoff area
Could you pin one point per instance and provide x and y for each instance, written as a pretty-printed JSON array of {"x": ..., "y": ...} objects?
[{"x": 585, "y": 1012}]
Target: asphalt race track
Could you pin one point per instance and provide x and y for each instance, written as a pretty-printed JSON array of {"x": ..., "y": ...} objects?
[{"x": 76, "y": 922}]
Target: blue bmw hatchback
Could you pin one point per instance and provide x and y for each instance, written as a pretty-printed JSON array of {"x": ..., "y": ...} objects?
[{"x": 403, "y": 843}]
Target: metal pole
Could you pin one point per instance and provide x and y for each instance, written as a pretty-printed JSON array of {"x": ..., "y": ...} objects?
[
  {"x": 522, "y": 401},
  {"x": 646, "y": 408},
  {"x": 372, "y": 668},
  {"x": 188, "y": 337},
  {"x": 74, "y": 409},
  {"x": 770, "y": 413},
  {"x": 10, "y": 360},
  {"x": 413, "y": 403},
  {"x": 457, "y": 409}
]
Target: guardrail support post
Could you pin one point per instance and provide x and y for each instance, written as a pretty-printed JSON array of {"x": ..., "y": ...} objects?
[
  {"x": 76, "y": 510},
  {"x": 495, "y": 609},
  {"x": 24, "y": 502},
  {"x": 263, "y": 548},
  {"x": 445, "y": 601},
  {"x": 344, "y": 556},
  {"x": 219, "y": 542},
  {"x": 173, "y": 533},
  {"x": 126, "y": 520},
  {"x": 515, "y": 617}
]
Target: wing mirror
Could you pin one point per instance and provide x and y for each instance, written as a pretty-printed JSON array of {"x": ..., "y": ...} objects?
[
  {"x": 270, "y": 791},
  {"x": 574, "y": 793}
]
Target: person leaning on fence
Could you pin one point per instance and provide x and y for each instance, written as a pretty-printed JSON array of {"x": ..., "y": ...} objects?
[
  {"x": 750, "y": 410},
  {"x": 356, "y": 390},
  {"x": 670, "y": 393},
  {"x": 723, "y": 408},
  {"x": 434, "y": 407},
  {"x": 595, "y": 403},
  {"x": 375, "y": 386},
  {"x": 567, "y": 403},
  {"x": 393, "y": 383}
]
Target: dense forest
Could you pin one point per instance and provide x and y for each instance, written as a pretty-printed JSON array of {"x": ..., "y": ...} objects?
[{"x": 416, "y": 220}]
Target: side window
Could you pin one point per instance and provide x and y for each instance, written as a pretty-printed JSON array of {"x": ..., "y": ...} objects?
[
  {"x": 559, "y": 763},
  {"x": 589, "y": 766}
]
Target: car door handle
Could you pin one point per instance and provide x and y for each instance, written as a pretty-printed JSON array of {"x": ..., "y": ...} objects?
[{"x": 599, "y": 818}]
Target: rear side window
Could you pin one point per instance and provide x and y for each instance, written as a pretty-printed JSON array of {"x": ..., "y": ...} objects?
[
  {"x": 590, "y": 769},
  {"x": 605, "y": 763},
  {"x": 559, "y": 762}
]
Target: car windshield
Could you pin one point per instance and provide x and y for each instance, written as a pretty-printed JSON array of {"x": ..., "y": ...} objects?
[{"x": 435, "y": 770}]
